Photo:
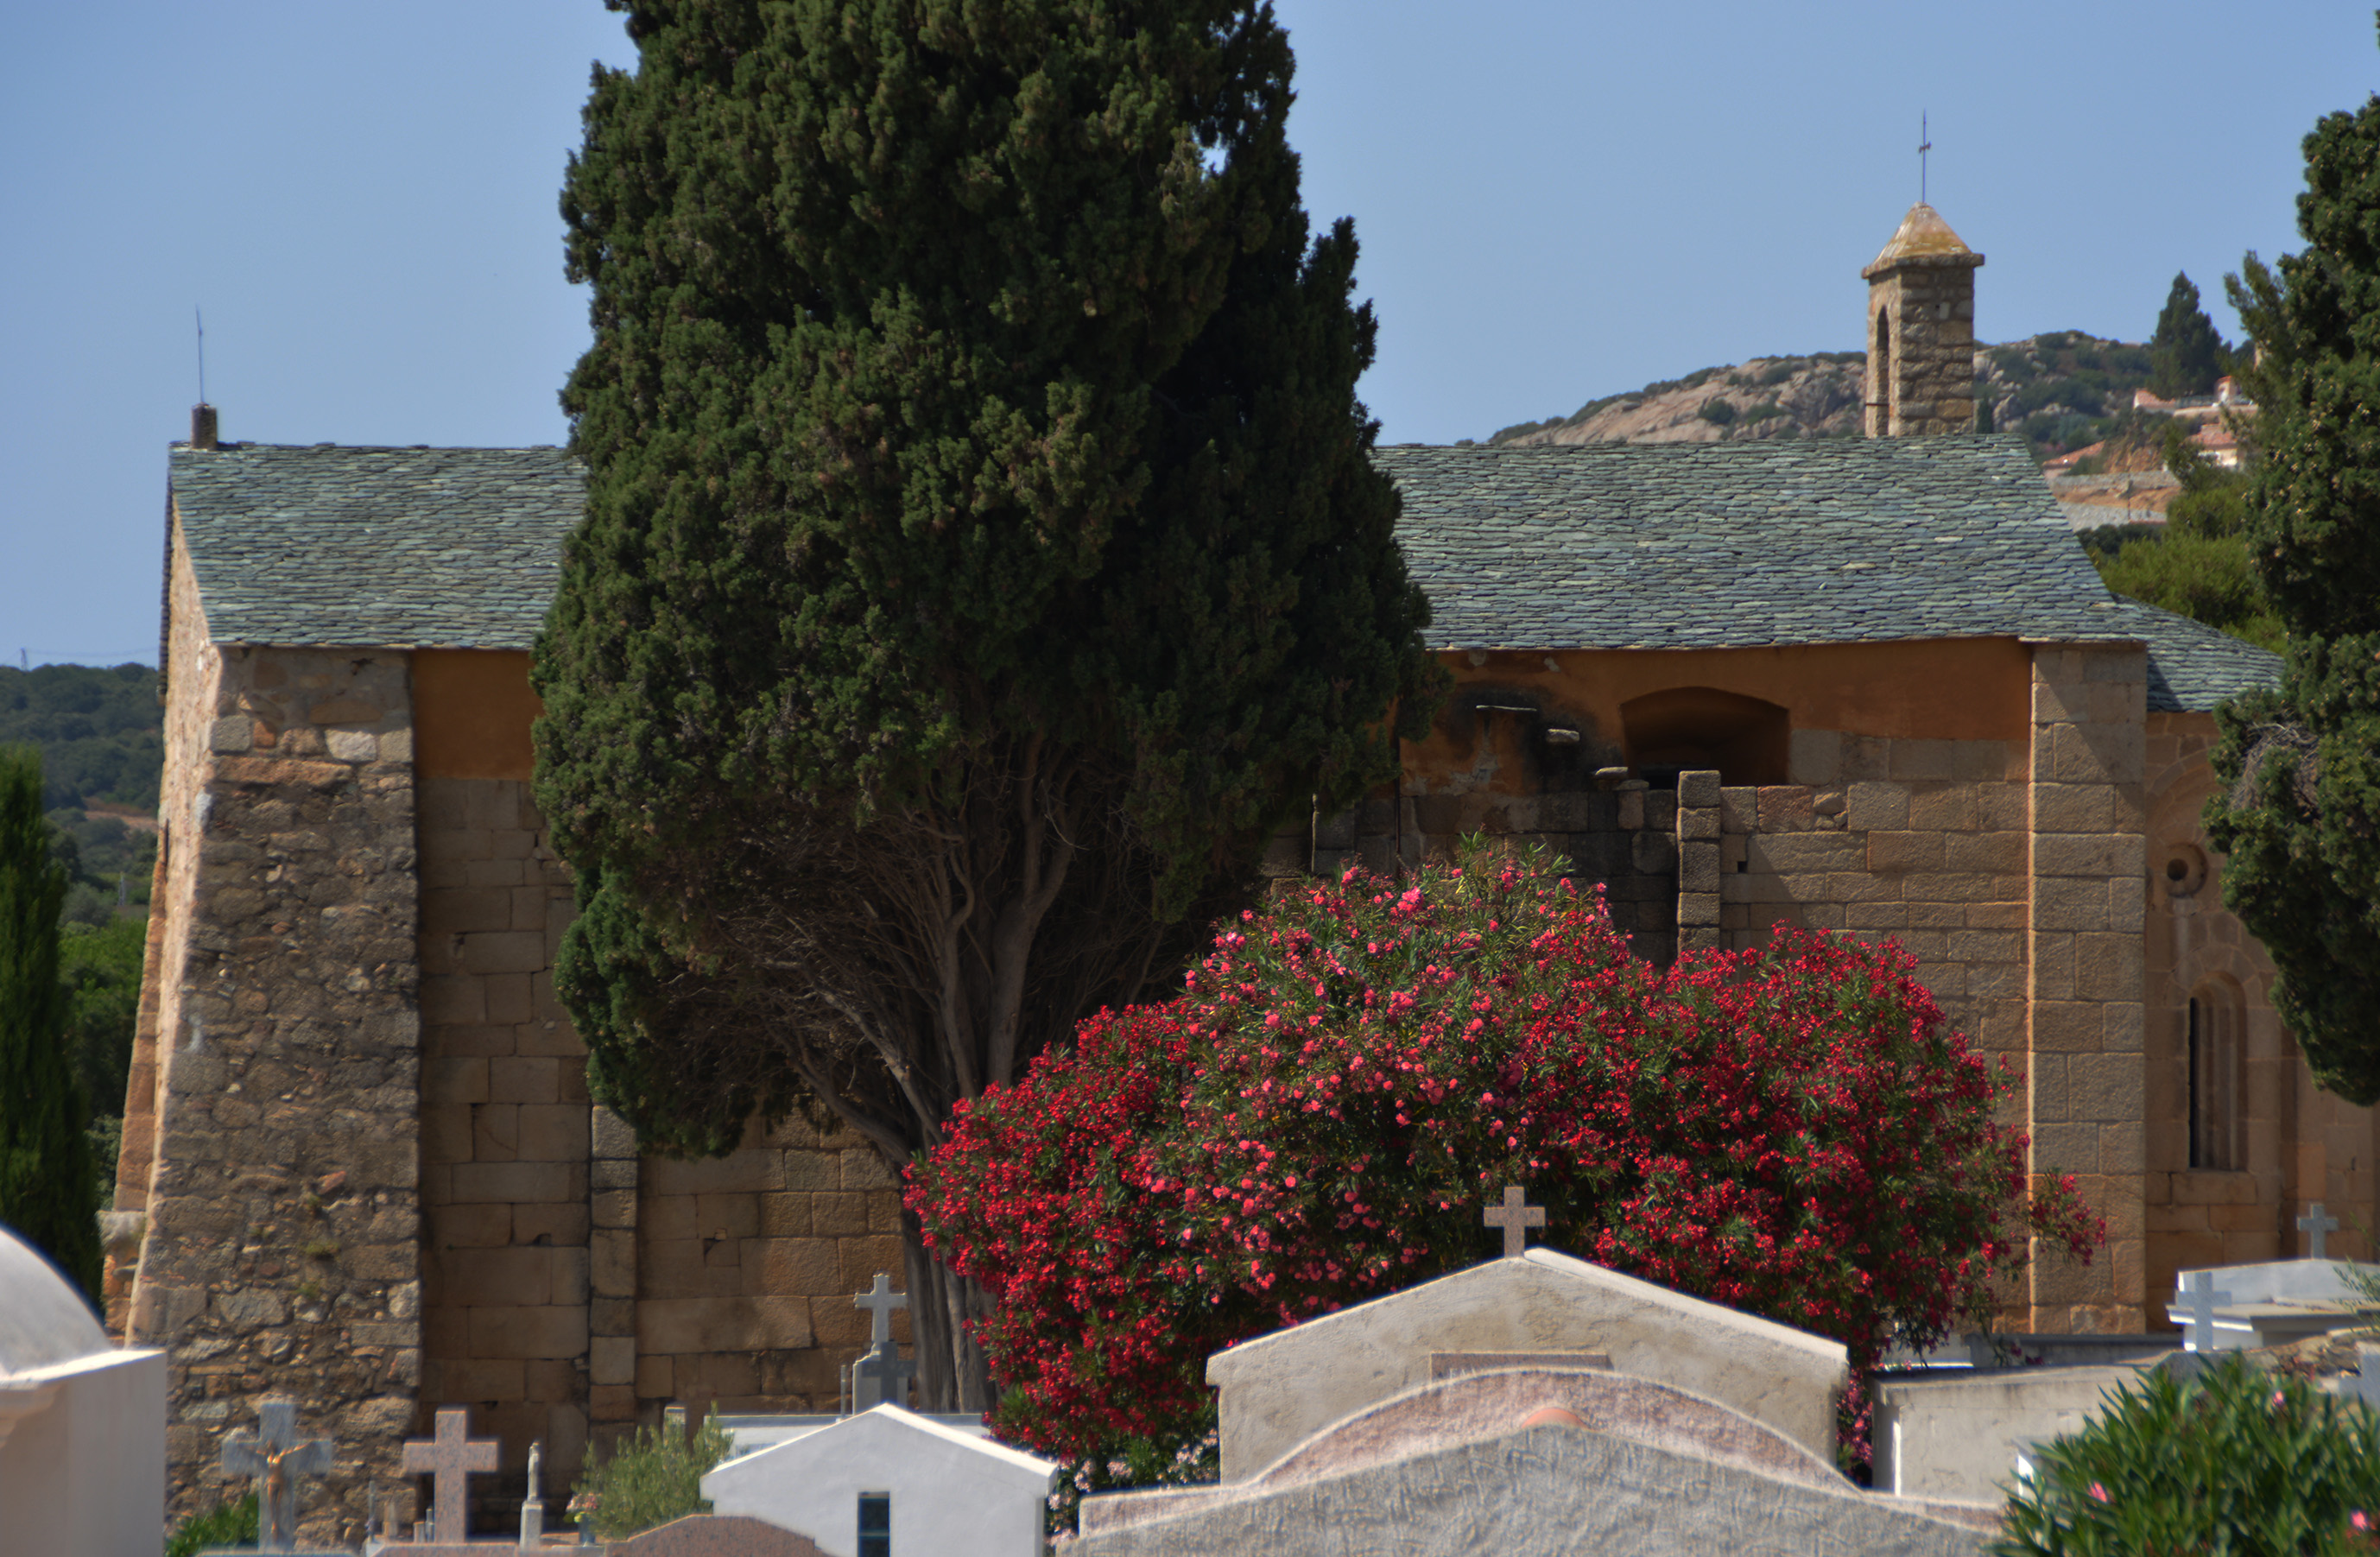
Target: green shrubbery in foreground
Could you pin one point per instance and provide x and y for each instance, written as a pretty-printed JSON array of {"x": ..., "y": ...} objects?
[
  {"x": 652, "y": 1478},
  {"x": 227, "y": 1524},
  {"x": 2238, "y": 1462}
]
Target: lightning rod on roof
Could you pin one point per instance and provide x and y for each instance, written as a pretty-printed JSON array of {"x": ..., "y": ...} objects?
[{"x": 197, "y": 313}]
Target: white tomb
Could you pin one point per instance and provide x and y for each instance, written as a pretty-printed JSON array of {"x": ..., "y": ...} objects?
[
  {"x": 83, "y": 1424},
  {"x": 2263, "y": 1305},
  {"x": 1280, "y": 1389},
  {"x": 940, "y": 1491}
]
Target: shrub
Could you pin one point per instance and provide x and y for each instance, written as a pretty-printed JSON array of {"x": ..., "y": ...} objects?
[
  {"x": 650, "y": 1479},
  {"x": 227, "y": 1524},
  {"x": 2238, "y": 1460},
  {"x": 1316, "y": 1119},
  {"x": 1718, "y": 412}
]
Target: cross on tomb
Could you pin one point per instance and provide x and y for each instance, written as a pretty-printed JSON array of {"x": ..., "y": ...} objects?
[
  {"x": 2316, "y": 1223},
  {"x": 2200, "y": 1309},
  {"x": 276, "y": 1459},
  {"x": 880, "y": 1300},
  {"x": 447, "y": 1456},
  {"x": 1515, "y": 1216}
]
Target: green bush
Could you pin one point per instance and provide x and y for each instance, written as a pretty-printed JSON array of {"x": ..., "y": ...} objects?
[
  {"x": 229, "y": 1524},
  {"x": 2237, "y": 1462},
  {"x": 652, "y": 1478},
  {"x": 2208, "y": 579},
  {"x": 1718, "y": 412}
]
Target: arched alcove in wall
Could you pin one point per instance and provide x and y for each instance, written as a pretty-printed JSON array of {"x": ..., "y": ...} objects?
[
  {"x": 2213, "y": 1045},
  {"x": 1747, "y": 740}
]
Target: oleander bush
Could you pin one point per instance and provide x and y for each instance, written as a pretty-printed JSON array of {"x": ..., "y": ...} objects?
[
  {"x": 1317, "y": 1118},
  {"x": 2237, "y": 1461}
]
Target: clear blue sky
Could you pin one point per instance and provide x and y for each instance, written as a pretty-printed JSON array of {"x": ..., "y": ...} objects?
[{"x": 1557, "y": 199}]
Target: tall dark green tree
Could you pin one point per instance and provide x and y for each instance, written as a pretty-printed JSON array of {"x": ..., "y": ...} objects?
[
  {"x": 47, "y": 1194},
  {"x": 982, "y": 555},
  {"x": 2186, "y": 354},
  {"x": 2300, "y": 816}
]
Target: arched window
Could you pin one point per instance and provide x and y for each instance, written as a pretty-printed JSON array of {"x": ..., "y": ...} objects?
[
  {"x": 1884, "y": 396},
  {"x": 1667, "y": 732},
  {"x": 2211, "y": 1037}
]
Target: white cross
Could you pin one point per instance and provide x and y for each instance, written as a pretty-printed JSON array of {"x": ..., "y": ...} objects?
[
  {"x": 2315, "y": 1224},
  {"x": 275, "y": 1458},
  {"x": 2200, "y": 1311},
  {"x": 1515, "y": 1216},
  {"x": 879, "y": 1300}
]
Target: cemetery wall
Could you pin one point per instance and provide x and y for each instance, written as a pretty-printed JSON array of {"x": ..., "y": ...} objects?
[
  {"x": 277, "y": 1086},
  {"x": 2237, "y": 1152}
]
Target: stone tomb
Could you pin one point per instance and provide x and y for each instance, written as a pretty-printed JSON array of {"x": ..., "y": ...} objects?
[
  {"x": 1279, "y": 1389},
  {"x": 1958, "y": 1437},
  {"x": 83, "y": 1424},
  {"x": 1533, "y": 1460},
  {"x": 941, "y": 1491}
]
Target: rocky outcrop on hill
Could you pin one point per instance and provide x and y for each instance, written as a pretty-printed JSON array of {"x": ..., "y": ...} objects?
[{"x": 2052, "y": 387}]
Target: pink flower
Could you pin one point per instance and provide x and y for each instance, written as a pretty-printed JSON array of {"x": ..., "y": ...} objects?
[
  {"x": 2360, "y": 1519},
  {"x": 2098, "y": 1492}
]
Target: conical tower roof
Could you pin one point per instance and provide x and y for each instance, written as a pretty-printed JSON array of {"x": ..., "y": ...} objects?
[{"x": 1923, "y": 238}]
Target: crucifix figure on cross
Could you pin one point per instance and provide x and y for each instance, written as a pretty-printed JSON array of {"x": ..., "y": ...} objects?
[
  {"x": 276, "y": 1459},
  {"x": 1515, "y": 1216},
  {"x": 2199, "y": 1310},
  {"x": 447, "y": 1456},
  {"x": 2316, "y": 1224}
]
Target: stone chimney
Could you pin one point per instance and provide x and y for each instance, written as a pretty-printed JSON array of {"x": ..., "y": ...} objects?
[
  {"x": 202, "y": 426},
  {"x": 1921, "y": 331}
]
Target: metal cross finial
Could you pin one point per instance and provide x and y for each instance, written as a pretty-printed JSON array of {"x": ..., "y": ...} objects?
[
  {"x": 879, "y": 1300},
  {"x": 1925, "y": 144},
  {"x": 2200, "y": 1311},
  {"x": 2316, "y": 1224},
  {"x": 448, "y": 1456},
  {"x": 1515, "y": 1216},
  {"x": 275, "y": 1458}
]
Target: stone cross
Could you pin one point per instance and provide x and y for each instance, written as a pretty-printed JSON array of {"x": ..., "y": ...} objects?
[
  {"x": 448, "y": 1456},
  {"x": 879, "y": 1300},
  {"x": 2200, "y": 1309},
  {"x": 276, "y": 1459},
  {"x": 882, "y": 1374},
  {"x": 1515, "y": 1216},
  {"x": 2315, "y": 1225}
]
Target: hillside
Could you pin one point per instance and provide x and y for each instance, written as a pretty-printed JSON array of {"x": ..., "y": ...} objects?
[{"x": 2062, "y": 390}]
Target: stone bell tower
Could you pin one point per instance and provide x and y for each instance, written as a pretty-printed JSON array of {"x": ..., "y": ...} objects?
[{"x": 1921, "y": 331}]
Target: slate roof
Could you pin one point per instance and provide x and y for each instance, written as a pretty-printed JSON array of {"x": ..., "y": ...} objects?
[
  {"x": 1568, "y": 546},
  {"x": 378, "y": 547},
  {"x": 1739, "y": 545},
  {"x": 2191, "y": 666}
]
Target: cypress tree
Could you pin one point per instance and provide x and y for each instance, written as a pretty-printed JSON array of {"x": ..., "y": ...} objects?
[
  {"x": 47, "y": 1193},
  {"x": 2186, "y": 354},
  {"x": 2299, "y": 816},
  {"x": 982, "y": 555}
]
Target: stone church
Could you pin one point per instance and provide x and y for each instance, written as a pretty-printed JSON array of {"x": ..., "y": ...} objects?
[{"x": 1869, "y": 685}]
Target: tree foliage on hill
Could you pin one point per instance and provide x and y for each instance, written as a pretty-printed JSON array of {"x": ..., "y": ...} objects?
[
  {"x": 46, "y": 1184},
  {"x": 101, "y": 732},
  {"x": 2186, "y": 354},
  {"x": 2299, "y": 816},
  {"x": 981, "y": 555},
  {"x": 2197, "y": 564}
]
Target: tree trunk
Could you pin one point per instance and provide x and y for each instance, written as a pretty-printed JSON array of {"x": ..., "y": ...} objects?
[{"x": 952, "y": 1375}]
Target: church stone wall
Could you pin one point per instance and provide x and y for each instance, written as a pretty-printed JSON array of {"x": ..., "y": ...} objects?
[
  {"x": 2295, "y": 1144},
  {"x": 278, "y": 1089}
]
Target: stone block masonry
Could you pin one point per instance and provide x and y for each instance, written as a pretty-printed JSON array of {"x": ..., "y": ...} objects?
[{"x": 274, "y": 1153}]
